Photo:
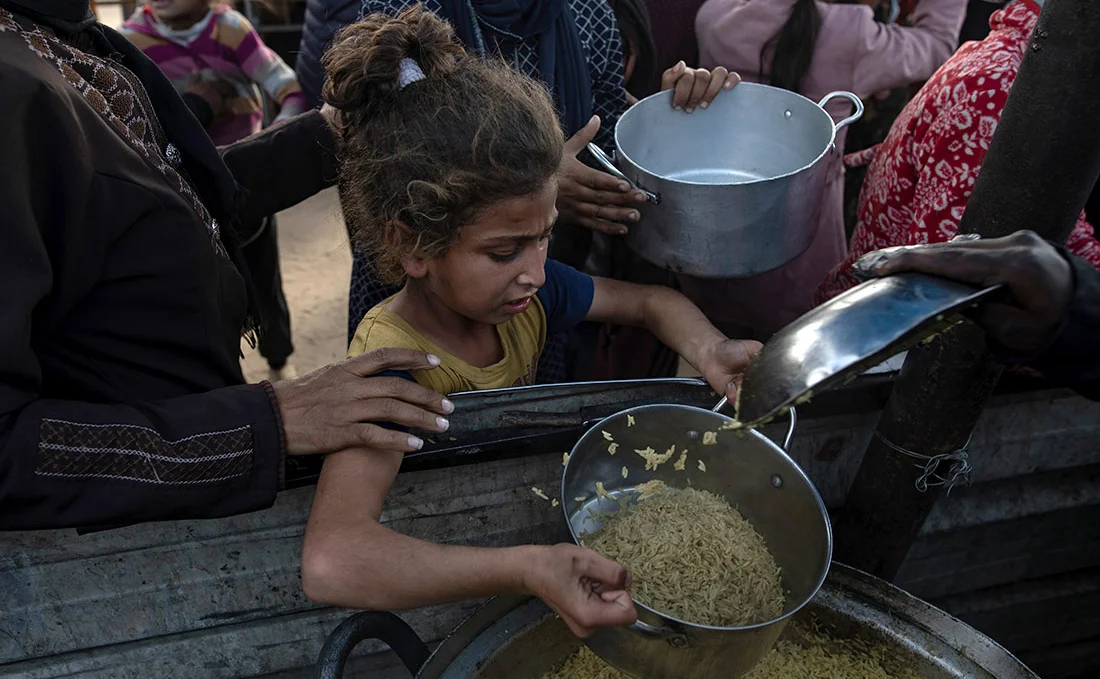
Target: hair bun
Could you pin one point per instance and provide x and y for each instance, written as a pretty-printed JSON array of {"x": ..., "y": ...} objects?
[{"x": 364, "y": 63}]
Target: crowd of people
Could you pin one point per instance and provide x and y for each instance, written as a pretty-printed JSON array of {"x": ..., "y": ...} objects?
[{"x": 140, "y": 186}]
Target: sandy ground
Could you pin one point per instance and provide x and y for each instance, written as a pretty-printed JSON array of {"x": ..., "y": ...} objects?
[{"x": 316, "y": 263}]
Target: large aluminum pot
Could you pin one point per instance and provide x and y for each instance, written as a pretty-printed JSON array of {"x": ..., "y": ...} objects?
[
  {"x": 520, "y": 638},
  {"x": 734, "y": 189},
  {"x": 747, "y": 469}
]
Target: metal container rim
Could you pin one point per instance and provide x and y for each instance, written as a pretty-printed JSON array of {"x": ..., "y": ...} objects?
[{"x": 753, "y": 182}]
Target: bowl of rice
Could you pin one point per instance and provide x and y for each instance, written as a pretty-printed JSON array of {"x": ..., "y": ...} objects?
[{"x": 724, "y": 535}]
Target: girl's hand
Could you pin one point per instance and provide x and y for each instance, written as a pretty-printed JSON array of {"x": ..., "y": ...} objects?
[
  {"x": 725, "y": 363},
  {"x": 696, "y": 86},
  {"x": 585, "y": 588}
]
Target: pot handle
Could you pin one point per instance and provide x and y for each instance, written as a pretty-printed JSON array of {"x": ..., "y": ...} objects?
[
  {"x": 602, "y": 159},
  {"x": 856, "y": 101},
  {"x": 385, "y": 627},
  {"x": 790, "y": 429},
  {"x": 674, "y": 638}
]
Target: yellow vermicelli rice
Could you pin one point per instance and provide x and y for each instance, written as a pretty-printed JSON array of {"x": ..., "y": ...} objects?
[
  {"x": 694, "y": 557},
  {"x": 815, "y": 656}
]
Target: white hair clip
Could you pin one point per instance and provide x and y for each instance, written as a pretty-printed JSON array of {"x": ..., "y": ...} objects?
[{"x": 410, "y": 73}]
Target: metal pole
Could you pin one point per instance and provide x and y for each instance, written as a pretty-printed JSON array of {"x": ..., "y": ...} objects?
[{"x": 1042, "y": 163}]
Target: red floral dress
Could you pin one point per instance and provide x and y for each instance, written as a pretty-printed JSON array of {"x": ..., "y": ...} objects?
[{"x": 922, "y": 175}]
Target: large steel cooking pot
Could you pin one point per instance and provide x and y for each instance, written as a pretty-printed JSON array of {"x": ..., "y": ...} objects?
[
  {"x": 520, "y": 638},
  {"x": 734, "y": 189},
  {"x": 747, "y": 469}
]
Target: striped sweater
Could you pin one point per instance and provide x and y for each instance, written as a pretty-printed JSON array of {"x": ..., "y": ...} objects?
[{"x": 222, "y": 47}]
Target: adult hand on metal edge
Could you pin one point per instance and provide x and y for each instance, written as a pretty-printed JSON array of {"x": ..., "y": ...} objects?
[
  {"x": 591, "y": 198},
  {"x": 696, "y": 87},
  {"x": 1038, "y": 278},
  {"x": 585, "y": 588},
  {"x": 335, "y": 407}
]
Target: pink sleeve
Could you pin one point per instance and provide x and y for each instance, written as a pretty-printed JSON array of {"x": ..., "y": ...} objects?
[
  {"x": 259, "y": 62},
  {"x": 891, "y": 55}
]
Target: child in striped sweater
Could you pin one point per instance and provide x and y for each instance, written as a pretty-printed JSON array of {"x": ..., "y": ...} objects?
[
  {"x": 216, "y": 60},
  {"x": 200, "y": 40}
]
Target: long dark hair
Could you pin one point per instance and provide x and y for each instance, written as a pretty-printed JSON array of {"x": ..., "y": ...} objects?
[
  {"x": 637, "y": 36},
  {"x": 792, "y": 48}
]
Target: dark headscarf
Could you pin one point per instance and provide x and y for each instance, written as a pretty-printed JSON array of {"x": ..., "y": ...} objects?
[
  {"x": 211, "y": 179},
  {"x": 498, "y": 26}
]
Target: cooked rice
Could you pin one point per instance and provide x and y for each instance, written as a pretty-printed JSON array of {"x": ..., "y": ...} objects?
[
  {"x": 613, "y": 448},
  {"x": 702, "y": 466},
  {"x": 710, "y": 438},
  {"x": 630, "y": 420},
  {"x": 653, "y": 459},
  {"x": 815, "y": 656},
  {"x": 584, "y": 664},
  {"x": 649, "y": 489},
  {"x": 681, "y": 463},
  {"x": 693, "y": 556}
]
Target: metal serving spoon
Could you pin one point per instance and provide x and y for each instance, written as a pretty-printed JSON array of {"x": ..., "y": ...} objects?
[{"x": 847, "y": 335}]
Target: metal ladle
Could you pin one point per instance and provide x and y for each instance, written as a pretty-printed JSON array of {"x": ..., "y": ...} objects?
[{"x": 847, "y": 335}]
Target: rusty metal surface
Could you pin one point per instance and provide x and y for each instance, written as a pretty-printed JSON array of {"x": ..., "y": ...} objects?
[{"x": 222, "y": 598}]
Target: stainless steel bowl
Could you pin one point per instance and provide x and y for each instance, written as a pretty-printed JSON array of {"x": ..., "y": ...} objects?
[{"x": 753, "y": 474}]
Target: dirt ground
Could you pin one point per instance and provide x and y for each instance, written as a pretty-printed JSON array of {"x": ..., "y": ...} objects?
[{"x": 316, "y": 263}]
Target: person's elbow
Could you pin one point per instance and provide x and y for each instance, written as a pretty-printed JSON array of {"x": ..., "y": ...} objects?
[
  {"x": 321, "y": 573},
  {"x": 332, "y": 576}
]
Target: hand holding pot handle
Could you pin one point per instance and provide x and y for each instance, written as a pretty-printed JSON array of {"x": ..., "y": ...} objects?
[
  {"x": 609, "y": 165},
  {"x": 585, "y": 588},
  {"x": 590, "y": 198}
]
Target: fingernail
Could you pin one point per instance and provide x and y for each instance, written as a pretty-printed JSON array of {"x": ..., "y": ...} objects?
[
  {"x": 623, "y": 600},
  {"x": 867, "y": 265},
  {"x": 433, "y": 359},
  {"x": 634, "y": 216},
  {"x": 623, "y": 186},
  {"x": 415, "y": 443},
  {"x": 621, "y": 231},
  {"x": 728, "y": 86},
  {"x": 442, "y": 423},
  {"x": 703, "y": 104},
  {"x": 448, "y": 406},
  {"x": 638, "y": 195},
  {"x": 675, "y": 107},
  {"x": 689, "y": 110}
]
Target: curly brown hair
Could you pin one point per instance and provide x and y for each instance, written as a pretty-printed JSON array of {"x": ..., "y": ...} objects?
[{"x": 418, "y": 163}]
